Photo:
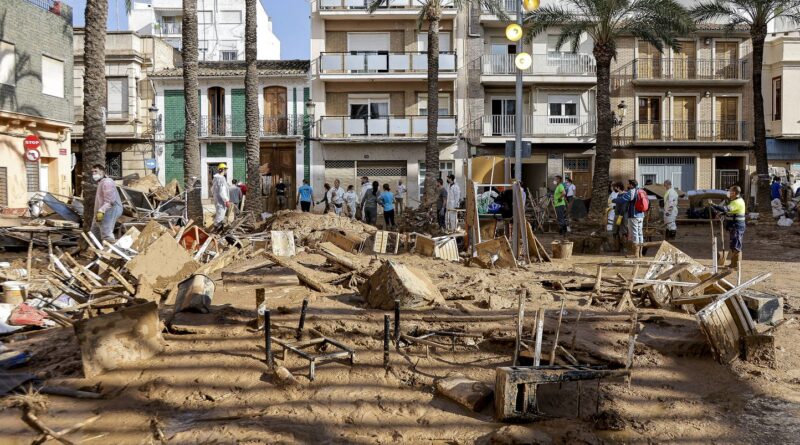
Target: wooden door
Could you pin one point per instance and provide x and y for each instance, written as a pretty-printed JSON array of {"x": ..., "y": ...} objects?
[
  {"x": 216, "y": 111},
  {"x": 649, "y": 127},
  {"x": 684, "y": 118},
  {"x": 583, "y": 183},
  {"x": 726, "y": 60},
  {"x": 275, "y": 121},
  {"x": 727, "y": 110},
  {"x": 684, "y": 61},
  {"x": 649, "y": 61}
]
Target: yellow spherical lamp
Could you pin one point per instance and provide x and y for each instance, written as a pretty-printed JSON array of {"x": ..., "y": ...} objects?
[
  {"x": 523, "y": 61},
  {"x": 514, "y": 32},
  {"x": 530, "y": 5}
]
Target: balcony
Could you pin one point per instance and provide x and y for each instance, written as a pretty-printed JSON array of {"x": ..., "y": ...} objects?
[
  {"x": 551, "y": 67},
  {"x": 227, "y": 126},
  {"x": 357, "y": 66},
  {"x": 389, "y": 127},
  {"x": 510, "y": 7},
  {"x": 389, "y": 9},
  {"x": 683, "y": 132},
  {"x": 496, "y": 129},
  {"x": 649, "y": 70},
  {"x": 169, "y": 29}
]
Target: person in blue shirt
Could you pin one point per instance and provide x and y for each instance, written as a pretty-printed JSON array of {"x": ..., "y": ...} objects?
[
  {"x": 305, "y": 196},
  {"x": 775, "y": 188},
  {"x": 387, "y": 201},
  {"x": 635, "y": 217}
]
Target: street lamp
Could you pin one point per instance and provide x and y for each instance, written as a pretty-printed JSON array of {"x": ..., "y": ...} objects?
[{"x": 619, "y": 116}]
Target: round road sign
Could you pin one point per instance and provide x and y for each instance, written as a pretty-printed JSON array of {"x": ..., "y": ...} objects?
[
  {"x": 31, "y": 142},
  {"x": 32, "y": 155}
]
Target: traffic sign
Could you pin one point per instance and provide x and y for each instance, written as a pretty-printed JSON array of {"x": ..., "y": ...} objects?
[
  {"x": 32, "y": 155},
  {"x": 31, "y": 142}
]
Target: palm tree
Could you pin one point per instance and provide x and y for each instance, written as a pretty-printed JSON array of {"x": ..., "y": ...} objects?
[
  {"x": 254, "y": 200},
  {"x": 191, "y": 144},
  {"x": 431, "y": 14},
  {"x": 93, "y": 150},
  {"x": 605, "y": 21},
  {"x": 755, "y": 14}
]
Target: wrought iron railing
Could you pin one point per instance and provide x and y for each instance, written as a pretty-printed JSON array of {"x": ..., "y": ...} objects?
[
  {"x": 683, "y": 131},
  {"x": 662, "y": 68},
  {"x": 228, "y": 126}
]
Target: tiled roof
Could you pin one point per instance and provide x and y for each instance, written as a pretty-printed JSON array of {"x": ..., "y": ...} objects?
[{"x": 269, "y": 68}]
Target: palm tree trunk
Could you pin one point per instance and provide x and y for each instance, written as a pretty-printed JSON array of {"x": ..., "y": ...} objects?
[
  {"x": 191, "y": 144},
  {"x": 603, "y": 54},
  {"x": 93, "y": 150},
  {"x": 758, "y": 35},
  {"x": 253, "y": 203},
  {"x": 432, "y": 146}
]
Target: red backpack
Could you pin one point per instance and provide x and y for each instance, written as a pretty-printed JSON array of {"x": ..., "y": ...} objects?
[{"x": 642, "y": 203}]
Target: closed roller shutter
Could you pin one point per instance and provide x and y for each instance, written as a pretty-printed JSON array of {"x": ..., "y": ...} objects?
[
  {"x": 679, "y": 169},
  {"x": 3, "y": 187},
  {"x": 385, "y": 172},
  {"x": 344, "y": 171}
]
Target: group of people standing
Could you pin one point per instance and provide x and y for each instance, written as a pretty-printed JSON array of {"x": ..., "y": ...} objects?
[
  {"x": 448, "y": 202},
  {"x": 363, "y": 204}
]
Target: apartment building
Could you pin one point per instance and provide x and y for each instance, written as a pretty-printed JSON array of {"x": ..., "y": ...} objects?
[
  {"x": 35, "y": 99},
  {"x": 688, "y": 113},
  {"x": 220, "y": 27},
  {"x": 370, "y": 93},
  {"x": 130, "y": 115},
  {"x": 558, "y": 107},
  {"x": 284, "y": 124},
  {"x": 781, "y": 71}
]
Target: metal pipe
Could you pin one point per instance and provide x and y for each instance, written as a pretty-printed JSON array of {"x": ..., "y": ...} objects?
[
  {"x": 268, "y": 339},
  {"x": 518, "y": 108},
  {"x": 302, "y": 323},
  {"x": 386, "y": 340},
  {"x": 397, "y": 323}
]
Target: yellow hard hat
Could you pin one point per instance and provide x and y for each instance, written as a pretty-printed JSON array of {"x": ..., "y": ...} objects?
[{"x": 222, "y": 165}]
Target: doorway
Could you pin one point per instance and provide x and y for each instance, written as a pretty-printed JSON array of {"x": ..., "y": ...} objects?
[
  {"x": 684, "y": 61},
  {"x": 649, "y": 61},
  {"x": 649, "y": 117},
  {"x": 275, "y": 120},
  {"x": 726, "y": 59},
  {"x": 216, "y": 111},
  {"x": 279, "y": 163},
  {"x": 684, "y": 118},
  {"x": 726, "y": 113},
  {"x": 504, "y": 112}
]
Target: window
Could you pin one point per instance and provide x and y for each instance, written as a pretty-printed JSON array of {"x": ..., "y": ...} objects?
[
  {"x": 228, "y": 55},
  {"x": 445, "y": 168},
  {"x": 777, "y": 98},
  {"x": 369, "y": 107},
  {"x": 171, "y": 24},
  {"x": 117, "y": 102},
  {"x": 563, "y": 109},
  {"x": 114, "y": 165},
  {"x": 32, "y": 176},
  {"x": 230, "y": 17},
  {"x": 552, "y": 41},
  {"x": 444, "y": 42},
  {"x": 368, "y": 41},
  {"x": 7, "y": 63},
  {"x": 444, "y": 104},
  {"x": 52, "y": 77},
  {"x": 205, "y": 17}
]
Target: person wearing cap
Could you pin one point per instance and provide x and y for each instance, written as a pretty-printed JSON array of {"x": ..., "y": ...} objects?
[
  {"x": 734, "y": 210},
  {"x": 221, "y": 193}
]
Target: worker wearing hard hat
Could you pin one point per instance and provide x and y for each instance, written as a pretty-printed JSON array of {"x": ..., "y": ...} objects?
[{"x": 219, "y": 189}]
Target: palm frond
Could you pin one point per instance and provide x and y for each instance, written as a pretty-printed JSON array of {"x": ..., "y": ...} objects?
[
  {"x": 548, "y": 16},
  {"x": 713, "y": 10}
]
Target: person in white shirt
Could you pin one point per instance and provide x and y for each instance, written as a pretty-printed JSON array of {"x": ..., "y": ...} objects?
[
  {"x": 336, "y": 197},
  {"x": 351, "y": 199},
  {"x": 400, "y": 197},
  {"x": 453, "y": 202},
  {"x": 670, "y": 210},
  {"x": 365, "y": 187},
  {"x": 221, "y": 194}
]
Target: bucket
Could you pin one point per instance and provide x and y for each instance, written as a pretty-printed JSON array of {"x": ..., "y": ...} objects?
[
  {"x": 561, "y": 249},
  {"x": 14, "y": 292}
]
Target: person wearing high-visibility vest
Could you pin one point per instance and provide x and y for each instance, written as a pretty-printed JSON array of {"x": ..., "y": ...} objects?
[{"x": 734, "y": 210}]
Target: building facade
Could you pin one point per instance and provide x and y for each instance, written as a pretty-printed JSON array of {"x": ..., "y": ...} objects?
[
  {"x": 780, "y": 73},
  {"x": 370, "y": 92},
  {"x": 688, "y": 112},
  {"x": 35, "y": 98},
  {"x": 220, "y": 27},
  {"x": 130, "y": 58},
  {"x": 283, "y": 93}
]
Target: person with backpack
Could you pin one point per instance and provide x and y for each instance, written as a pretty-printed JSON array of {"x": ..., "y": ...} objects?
[{"x": 638, "y": 204}]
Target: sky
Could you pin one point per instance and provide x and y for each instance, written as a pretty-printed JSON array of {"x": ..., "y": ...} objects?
[{"x": 290, "y": 22}]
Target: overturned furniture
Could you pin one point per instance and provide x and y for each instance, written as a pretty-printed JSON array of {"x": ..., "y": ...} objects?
[{"x": 320, "y": 355}]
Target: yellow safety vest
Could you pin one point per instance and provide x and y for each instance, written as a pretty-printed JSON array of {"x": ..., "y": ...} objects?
[{"x": 736, "y": 210}]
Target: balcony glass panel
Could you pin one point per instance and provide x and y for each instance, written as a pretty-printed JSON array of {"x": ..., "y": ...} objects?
[
  {"x": 377, "y": 62},
  {"x": 447, "y": 62},
  {"x": 332, "y": 126},
  {"x": 331, "y": 62},
  {"x": 419, "y": 125},
  {"x": 399, "y": 62},
  {"x": 355, "y": 127},
  {"x": 355, "y": 62},
  {"x": 419, "y": 62},
  {"x": 378, "y": 126},
  {"x": 400, "y": 126},
  {"x": 447, "y": 125}
]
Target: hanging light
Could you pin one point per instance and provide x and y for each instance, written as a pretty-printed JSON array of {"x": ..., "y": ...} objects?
[
  {"x": 523, "y": 61},
  {"x": 514, "y": 32},
  {"x": 622, "y": 109},
  {"x": 530, "y": 5}
]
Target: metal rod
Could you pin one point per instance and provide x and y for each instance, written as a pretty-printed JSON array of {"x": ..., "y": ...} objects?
[
  {"x": 397, "y": 323},
  {"x": 268, "y": 338},
  {"x": 302, "y": 322},
  {"x": 386, "y": 341},
  {"x": 518, "y": 109}
]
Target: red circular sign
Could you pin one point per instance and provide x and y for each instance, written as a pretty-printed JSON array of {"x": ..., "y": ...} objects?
[
  {"x": 32, "y": 142},
  {"x": 32, "y": 155}
]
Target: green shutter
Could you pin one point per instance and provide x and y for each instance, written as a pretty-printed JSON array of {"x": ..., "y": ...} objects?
[
  {"x": 216, "y": 150},
  {"x": 239, "y": 161},
  {"x": 174, "y": 131},
  {"x": 237, "y": 112}
]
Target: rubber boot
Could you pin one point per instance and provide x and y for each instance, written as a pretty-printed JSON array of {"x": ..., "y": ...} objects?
[{"x": 735, "y": 258}]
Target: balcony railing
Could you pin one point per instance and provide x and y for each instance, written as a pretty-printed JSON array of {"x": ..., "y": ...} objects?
[
  {"x": 56, "y": 7},
  {"x": 509, "y": 6},
  {"x": 380, "y": 63},
  {"x": 551, "y": 64},
  {"x": 347, "y": 5},
  {"x": 657, "y": 68},
  {"x": 538, "y": 126},
  {"x": 383, "y": 127},
  {"x": 170, "y": 28},
  {"x": 684, "y": 131},
  {"x": 227, "y": 126}
]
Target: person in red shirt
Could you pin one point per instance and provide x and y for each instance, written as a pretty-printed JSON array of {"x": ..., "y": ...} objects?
[{"x": 243, "y": 188}]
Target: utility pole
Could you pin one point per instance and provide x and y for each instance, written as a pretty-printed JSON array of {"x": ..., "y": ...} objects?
[{"x": 518, "y": 107}]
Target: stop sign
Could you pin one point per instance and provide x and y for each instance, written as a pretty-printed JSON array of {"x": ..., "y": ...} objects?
[{"x": 32, "y": 142}]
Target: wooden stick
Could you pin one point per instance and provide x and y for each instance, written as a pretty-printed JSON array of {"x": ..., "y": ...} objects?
[
  {"x": 520, "y": 317},
  {"x": 34, "y": 422},
  {"x": 537, "y": 352},
  {"x": 558, "y": 330}
]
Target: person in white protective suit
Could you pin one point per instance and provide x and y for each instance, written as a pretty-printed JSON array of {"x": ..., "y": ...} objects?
[
  {"x": 453, "y": 202},
  {"x": 221, "y": 194},
  {"x": 670, "y": 210}
]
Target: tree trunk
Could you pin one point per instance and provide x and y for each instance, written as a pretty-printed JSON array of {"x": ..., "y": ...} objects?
[
  {"x": 432, "y": 146},
  {"x": 93, "y": 150},
  {"x": 758, "y": 34},
  {"x": 603, "y": 54},
  {"x": 254, "y": 201},
  {"x": 191, "y": 144}
]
